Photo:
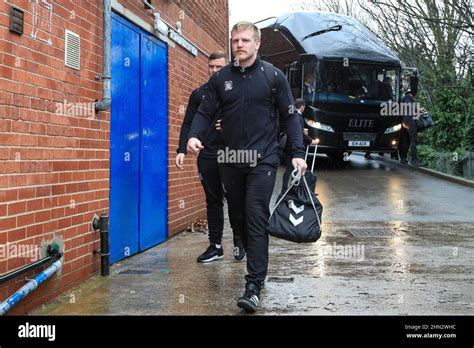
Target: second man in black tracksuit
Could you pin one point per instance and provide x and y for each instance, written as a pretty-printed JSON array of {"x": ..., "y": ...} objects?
[{"x": 248, "y": 158}]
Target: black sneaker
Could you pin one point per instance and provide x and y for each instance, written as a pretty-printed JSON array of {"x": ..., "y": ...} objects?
[
  {"x": 415, "y": 163},
  {"x": 211, "y": 254},
  {"x": 239, "y": 251},
  {"x": 403, "y": 161},
  {"x": 250, "y": 299}
]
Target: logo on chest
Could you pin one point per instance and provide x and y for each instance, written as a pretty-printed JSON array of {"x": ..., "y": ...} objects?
[{"x": 228, "y": 86}]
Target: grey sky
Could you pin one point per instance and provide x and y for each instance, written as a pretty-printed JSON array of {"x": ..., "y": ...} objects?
[{"x": 254, "y": 10}]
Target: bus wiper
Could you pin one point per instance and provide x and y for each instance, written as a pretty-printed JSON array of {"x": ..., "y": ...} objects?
[{"x": 334, "y": 28}]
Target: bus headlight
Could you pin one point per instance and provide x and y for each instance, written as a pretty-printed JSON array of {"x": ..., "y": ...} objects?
[
  {"x": 393, "y": 129},
  {"x": 319, "y": 125}
]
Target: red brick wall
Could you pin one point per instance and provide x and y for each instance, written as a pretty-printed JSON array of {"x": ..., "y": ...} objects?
[{"x": 54, "y": 167}]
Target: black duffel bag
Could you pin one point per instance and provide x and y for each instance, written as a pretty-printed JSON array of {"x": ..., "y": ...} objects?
[
  {"x": 424, "y": 121},
  {"x": 297, "y": 214}
]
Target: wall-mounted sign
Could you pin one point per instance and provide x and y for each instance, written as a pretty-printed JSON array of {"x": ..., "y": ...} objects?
[
  {"x": 42, "y": 20},
  {"x": 180, "y": 40}
]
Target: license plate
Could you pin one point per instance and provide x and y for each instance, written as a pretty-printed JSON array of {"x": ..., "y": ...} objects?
[{"x": 359, "y": 143}]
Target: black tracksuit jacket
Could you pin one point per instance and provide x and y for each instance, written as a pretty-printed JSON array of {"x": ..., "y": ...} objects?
[
  {"x": 249, "y": 120},
  {"x": 210, "y": 137}
]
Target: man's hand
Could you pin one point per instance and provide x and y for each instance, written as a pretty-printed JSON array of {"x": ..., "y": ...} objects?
[
  {"x": 299, "y": 162},
  {"x": 180, "y": 160},
  {"x": 194, "y": 145},
  {"x": 218, "y": 125}
]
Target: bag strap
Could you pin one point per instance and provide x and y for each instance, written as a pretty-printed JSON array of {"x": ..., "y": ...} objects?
[
  {"x": 314, "y": 156},
  {"x": 312, "y": 202},
  {"x": 296, "y": 177},
  {"x": 270, "y": 75},
  {"x": 269, "y": 71}
]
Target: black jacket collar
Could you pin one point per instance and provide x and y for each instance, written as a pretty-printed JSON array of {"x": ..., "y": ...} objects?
[{"x": 251, "y": 67}]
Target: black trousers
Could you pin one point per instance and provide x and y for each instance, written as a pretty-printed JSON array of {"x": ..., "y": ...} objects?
[
  {"x": 408, "y": 141},
  {"x": 214, "y": 191},
  {"x": 249, "y": 191}
]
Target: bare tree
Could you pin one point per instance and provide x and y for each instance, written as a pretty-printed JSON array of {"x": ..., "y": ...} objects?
[{"x": 433, "y": 35}]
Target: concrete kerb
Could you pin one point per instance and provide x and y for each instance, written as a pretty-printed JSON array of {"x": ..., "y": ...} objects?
[{"x": 427, "y": 171}]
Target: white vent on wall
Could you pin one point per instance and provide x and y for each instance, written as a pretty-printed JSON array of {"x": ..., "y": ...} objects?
[{"x": 72, "y": 53}]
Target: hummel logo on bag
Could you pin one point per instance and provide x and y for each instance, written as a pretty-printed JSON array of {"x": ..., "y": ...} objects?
[
  {"x": 296, "y": 222},
  {"x": 293, "y": 207}
]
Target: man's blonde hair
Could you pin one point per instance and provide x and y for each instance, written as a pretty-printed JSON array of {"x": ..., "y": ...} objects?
[{"x": 244, "y": 25}]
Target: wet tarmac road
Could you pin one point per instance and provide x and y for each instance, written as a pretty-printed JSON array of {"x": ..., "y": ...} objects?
[{"x": 394, "y": 242}]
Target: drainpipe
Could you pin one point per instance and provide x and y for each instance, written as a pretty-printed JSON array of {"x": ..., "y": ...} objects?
[
  {"x": 104, "y": 104},
  {"x": 102, "y": 224},
  {"x": 29, "y": 287}
]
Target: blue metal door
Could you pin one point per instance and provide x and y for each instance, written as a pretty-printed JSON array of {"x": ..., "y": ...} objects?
[
  {"x": 124, "y": 142},
  {"x": 154, "y": 142},
  {"x": 138, "y": 141}
]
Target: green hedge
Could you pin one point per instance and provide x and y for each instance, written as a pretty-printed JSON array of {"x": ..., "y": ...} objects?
[{"x": 446, "y": 162}]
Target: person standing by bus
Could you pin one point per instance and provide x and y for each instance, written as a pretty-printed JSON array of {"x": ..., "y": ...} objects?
[{"x": 409, "y": 132}]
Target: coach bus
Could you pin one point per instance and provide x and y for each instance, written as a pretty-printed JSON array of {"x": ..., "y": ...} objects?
[{"x": 346, "y": 75}]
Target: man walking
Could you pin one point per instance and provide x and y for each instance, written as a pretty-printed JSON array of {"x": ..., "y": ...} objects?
[
  {"x": 248, "y": 97},
  {"x": 208, "y": 171},
  {"x": 409, "y": 132}
]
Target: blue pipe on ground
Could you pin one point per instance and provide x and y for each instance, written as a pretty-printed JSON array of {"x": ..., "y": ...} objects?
[{"x": 25, "y": 290}]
